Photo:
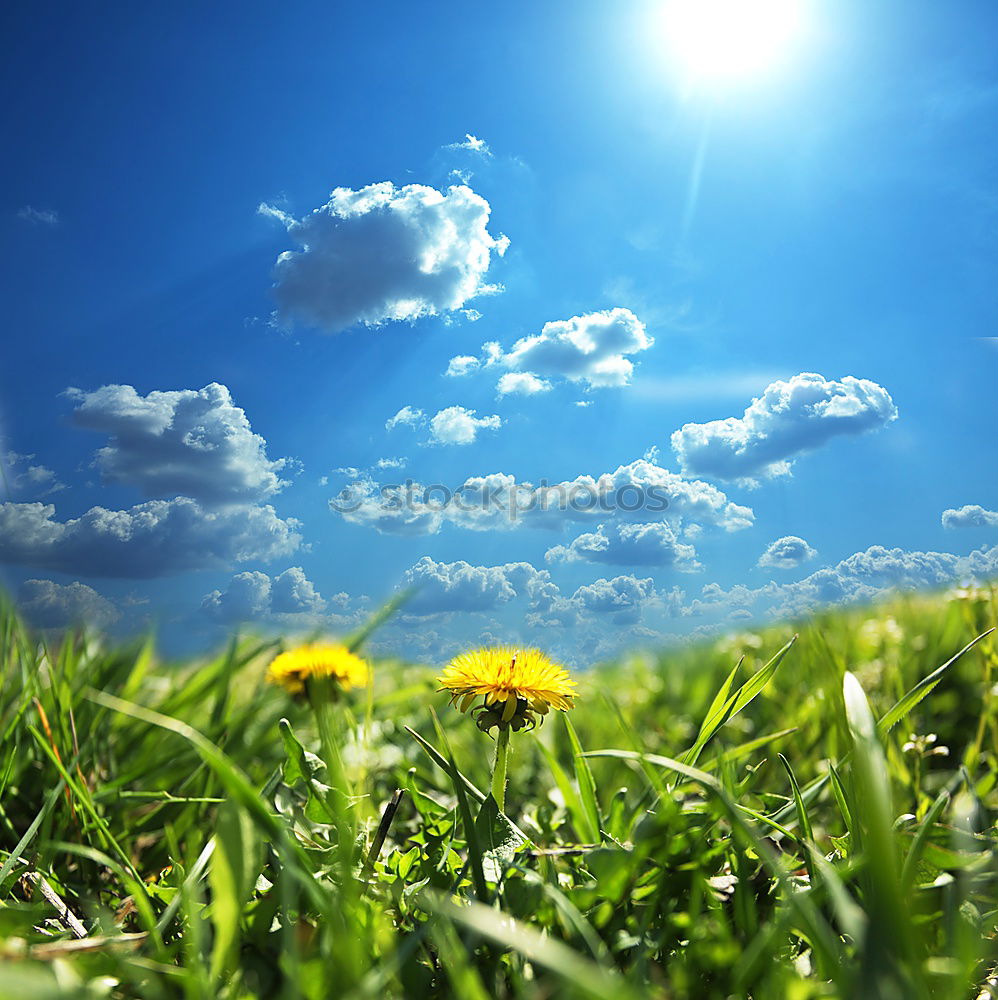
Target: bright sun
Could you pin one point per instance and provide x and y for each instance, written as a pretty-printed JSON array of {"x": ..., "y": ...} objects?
[{"x": 711, "y": 41}]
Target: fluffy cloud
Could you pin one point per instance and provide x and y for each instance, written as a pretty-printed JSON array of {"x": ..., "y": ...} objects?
[
  {"x": 45, "y": 604},
  {"x": 194, "y": 443},
  {"x": 982, "y": 564},
  {"x": 652, "y": 544},
  {"x": 462, "y": 364},
  {"x": 787, "y": 552},
  {"x": 440, "y": 587},
  {"x": 521, "y": 384},
  {"x": 389, "y": 510},
  {"x": 882, "y": 567},
  {"x": 641, "y": 492},
  {"x": 254, "y": 596},
  {"x": 862, "y": 577},
  {"x": 459, "y": 586},
  {"x": 20, "y": 475},
  {"x": 458, "y": 425},
  {"x": 970, "y": 516},
  {"x": 246, "y": 597},
  {"x": 383, "y": 253},
  {"x": 196, "y": 454},
  {"x": 465, "y": 364},
  {"x": 623, "y": 598},
  {"x": 408, "y": 416},
  {"x": 292, "y": 592},
  {"x": 789, "y": 418},
  {"x": 592, "y": 349},
  {"x": 151, "y": 539}
]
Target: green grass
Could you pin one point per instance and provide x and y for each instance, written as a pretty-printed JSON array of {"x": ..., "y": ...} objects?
[{"x": 689, "y": 830}]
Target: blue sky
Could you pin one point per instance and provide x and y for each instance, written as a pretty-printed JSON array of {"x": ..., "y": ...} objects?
[{"x": 804, "y": 251}]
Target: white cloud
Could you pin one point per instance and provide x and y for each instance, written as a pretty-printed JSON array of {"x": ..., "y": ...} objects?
[
  {"x": 360, "y": 475},
  {"x": 45, "y": 604},
  {"x": 472, "y": 144},
  {"x": 787, "y": 552},
  {"x": 39, "y": 216},
  {"x": 458, "y": 425},
  {"x": 482, "y": 600},
  {"x": 637, "y": 493},
  {"x": 457, "y": 586},
  {"x": 652, "y": 544},
  {"x": 247, "y": 597},
  {"x": 592, "y": 349},
  {"x": 521, "y": 383},
  {"x": 408, "y": 416},
  {"x": 194, "y": 452},
  {"x": 789, "y": 418},
  {"x": 460, "y": 586},
  {"x": 689, "y": 500},
  {"x": 292, "y": 592},
  {"x": 970, "y": 516},
  {"x": 862, "y": 577},
  {"x": 471, "y": 152},
  {"x": 491, "y": 353},
  {"x": 981, "y": 564},
  {"x": 383, "y": 253},
  {"x": 152, "y": 539},
  {"x": 883, "y": 567},
  {"x": 562, "y": 612},
  {"x": 461, "y": 365},
  {"x": 393, "y": 511},
  {"x": 624, "y": 598},
  {"x": 20, "y": 475},
  {"x": 255, "y": 597},
  {"x": 194, "y": 443},
  {"x": 466, "y": 364}
]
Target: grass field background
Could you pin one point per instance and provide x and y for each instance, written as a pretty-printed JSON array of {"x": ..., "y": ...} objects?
[{"x": 818, "y": 821}]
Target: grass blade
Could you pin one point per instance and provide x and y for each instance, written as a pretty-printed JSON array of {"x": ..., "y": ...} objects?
[
  {"x": 806, "y": 837},
  {"x": 923, "y": 688},
  {"x": 736, "y": 703},
  {"x": 587, "y": 786},
  {"x": 458, "y": 780},
  {"x": 821, "y": 936},
  {"x": 585, "y": 976}
]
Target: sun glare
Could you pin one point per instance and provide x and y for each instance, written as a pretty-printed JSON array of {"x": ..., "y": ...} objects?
[{"x": 711, "y": 41}]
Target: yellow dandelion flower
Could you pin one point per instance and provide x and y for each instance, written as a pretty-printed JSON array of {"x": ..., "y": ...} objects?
[
  {"x": 515, "y": 683},
  {"x": 322, "y": 660}
]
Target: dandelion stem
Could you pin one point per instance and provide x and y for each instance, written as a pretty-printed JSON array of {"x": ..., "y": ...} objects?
[
  {"x": 499, "y": 771},
  {"x": 338, "y": 796}
]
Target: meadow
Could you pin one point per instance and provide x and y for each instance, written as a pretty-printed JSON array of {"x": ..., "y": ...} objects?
[{"x": 803, "y": 810}]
